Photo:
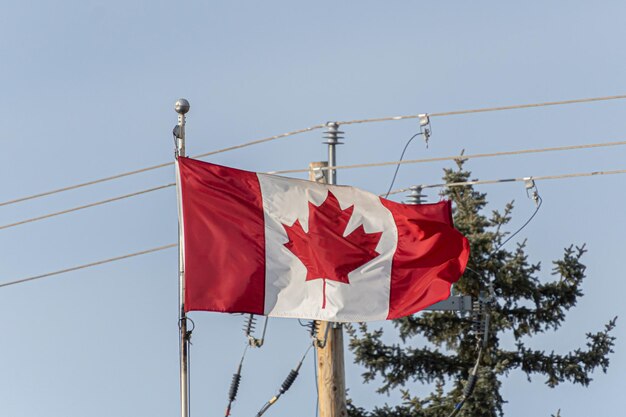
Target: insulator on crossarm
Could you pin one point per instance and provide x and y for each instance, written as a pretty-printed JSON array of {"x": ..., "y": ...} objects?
[
  {"x": 313, "y": 326},
  {"x": 416, "y": 196},
  {"x": 249, "y": 325},
  {"x": 333, "y": 135},
  {"x": 477, "y": 316},
  {"x": 318, "y": 339}
]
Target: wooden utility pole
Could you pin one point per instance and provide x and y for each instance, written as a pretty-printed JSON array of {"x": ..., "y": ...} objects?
[{"x": 331, "y": 383}]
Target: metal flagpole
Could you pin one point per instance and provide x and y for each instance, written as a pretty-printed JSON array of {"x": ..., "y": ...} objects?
[{"x": 182, "y": 107}]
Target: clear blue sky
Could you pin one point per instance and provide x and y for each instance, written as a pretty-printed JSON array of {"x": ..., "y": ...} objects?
[{"x": 88, "y": 91}]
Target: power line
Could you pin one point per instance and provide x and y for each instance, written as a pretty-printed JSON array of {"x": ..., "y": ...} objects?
[
  {"x": 485, "y": 109},
  {"x": 369, "y": 165},
  {"x": 544, "y": 177},
  {"x": 523, "y": 179},
  {"x": 309, "y": 129},
  {"x": 395, "y": 174},
  {"x": 258, "y": 141},
  {"x": 75, "y": 268},
  {"x": 85, "y": 184},
  {"x": 457, "y": 157},
  {"x": 455, "y": 184},
  {"x": 153, "y": 167},
  {"x": 97, "y": 203}
]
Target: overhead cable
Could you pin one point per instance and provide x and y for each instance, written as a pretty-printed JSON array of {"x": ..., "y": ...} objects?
[
  {"x": 483, "y": 306},
  {"x": 75, "y": 268},
  {"x": 258, "y": 141},
  {"x": 97, "y": 203},
  {"x": 84, "y": 184},
  {"x": 484, "y": 109},
  {"x": 369, "y": 165},
  {"x": 455, "y": 157},
  {"x": 524, "y": 179},
  {"x": 234, "y": 384},
  {"x": 395, "y": 174},
  {"x": 251, "y": 341},
  {"x": 456, "y": 184},
  {"x": 309, "y": 129},
  {"x": 289, "y": 380},
  {"x": 153, "y": 167}
]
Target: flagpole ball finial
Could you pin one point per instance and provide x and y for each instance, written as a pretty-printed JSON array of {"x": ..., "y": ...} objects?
[{"x": 182, "y": 106}]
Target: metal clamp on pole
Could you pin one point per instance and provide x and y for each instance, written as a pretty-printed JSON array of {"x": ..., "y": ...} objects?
[
  {"x": 453, "y": 303},
  {"x": 425, "y": 127},
  {"x": 250, "y": 327},
  {"x": 531, "y": 189},
  {"x": 314, "y": 327}
]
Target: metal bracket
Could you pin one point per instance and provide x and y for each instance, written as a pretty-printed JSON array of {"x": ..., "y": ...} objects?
[
  {"x": 453, "y": 303},
  {"x": 531, "y": 189},
  {"x": 249, "y": 328},
  {"x": 425, "y": 127}
]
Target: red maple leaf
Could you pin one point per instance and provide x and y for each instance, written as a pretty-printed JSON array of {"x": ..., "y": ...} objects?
[{"x": 324, "y": 251}]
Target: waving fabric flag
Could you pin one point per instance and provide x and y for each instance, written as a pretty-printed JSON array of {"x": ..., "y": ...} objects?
[{"x": 264, "y": 244}]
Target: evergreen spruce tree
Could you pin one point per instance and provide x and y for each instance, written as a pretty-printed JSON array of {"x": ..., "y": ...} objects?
[{"x": 440, "y": 348}]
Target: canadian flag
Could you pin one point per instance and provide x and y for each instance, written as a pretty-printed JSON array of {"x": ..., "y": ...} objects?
[{"x": 265, "y": 244}]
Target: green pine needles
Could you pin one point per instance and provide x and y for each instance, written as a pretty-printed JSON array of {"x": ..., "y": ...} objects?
[{"x": 524, "y": 306}]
